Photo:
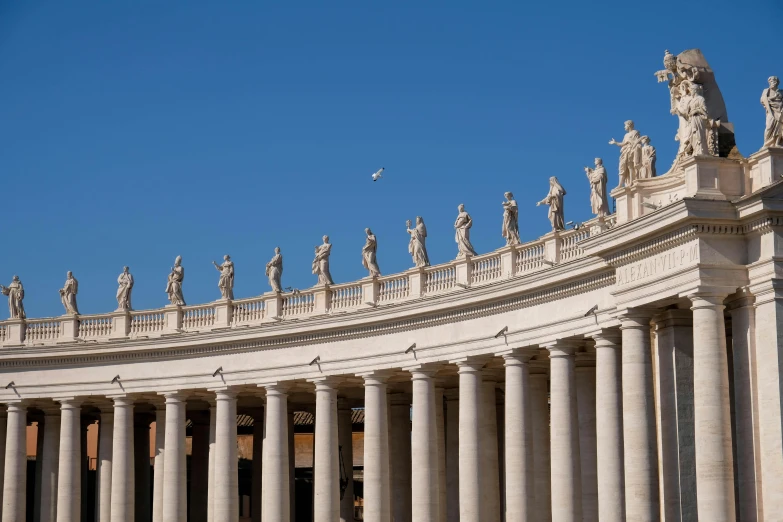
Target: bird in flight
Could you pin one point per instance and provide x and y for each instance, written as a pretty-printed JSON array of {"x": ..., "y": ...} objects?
[{"x": 377, "y": 175}]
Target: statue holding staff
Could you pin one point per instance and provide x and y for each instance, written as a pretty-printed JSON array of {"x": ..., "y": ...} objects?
[
  {"x": 68, "y": 294},
  {"x": 15, "y": 293},
  {"x": 125, "y": 280},
  {"x": 417, "y": 246},
  {"x": 274, "y": 271},
  {"x": 226, "y": 281}
]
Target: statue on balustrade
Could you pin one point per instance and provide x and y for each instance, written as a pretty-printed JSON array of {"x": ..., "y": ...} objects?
[
  {"x": 510, "y": 220},
  {"x": 555, "y": 201},
  {"x": 15, "y": 293},
  {"x": 417, "y": 246},
  {"x": 321, "y": 263},
  {"x": 648, "y": 159},
  {"x": 369, "y": 251},
  {"x": 697, "y": 136},
  {"x": 598, "y": 179},
  {"x": 174, "y": 285},
  {"x": 462, "y": 233},
  {"x": 226, "y": 281},
  {"x": 68, "y": 294},
  {"x": 630, "y": 155},
  {"x": 772, "y": 100},
  {"x": 274, "y": 271},
  {"x": 125, "y": 280}
]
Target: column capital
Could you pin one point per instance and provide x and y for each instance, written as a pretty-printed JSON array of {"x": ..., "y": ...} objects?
[
  {"x": 562, "y": 348},
  {"x": 606, "y": 337},
  {"x": 516, "y": 359},
  {"x": 635, "y": 318},
  {"x": 70, "y": 403},
  {"x": 224, "y": 393},
  {"x": 174, "y": 397},
  {"x": 422, "y": 371},
  {"x": 707, "y": 299},
  {"x": 122, "y": 400},
  {"x": 375, "y": 378},
  {"x": 326, "y": 383},
  {"x": 742, "y": 299},
  {"x": 469, "y": 365},
  {"x": 276, "y": 388}
]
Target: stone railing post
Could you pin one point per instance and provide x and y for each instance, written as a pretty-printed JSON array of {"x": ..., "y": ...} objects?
[
  {"x": 69, "y": 327},
  {"x": 416, "y": 280},
  {"x": 552, "y": 243},
  {"x": 764, "y": 168},
  {"x": 173, "y": 321},
  {"x": 323, "y": 299},
  {"x": 463, "y": 270},
  {"x": 14, "y": 331},
  {"x": 508, "y": 261},
  {"x": 273, "y": 306},
  {"x": 370, "y": 290},
  {"x": 224, "y": 311},
  {"x": 120, "y": 324}
]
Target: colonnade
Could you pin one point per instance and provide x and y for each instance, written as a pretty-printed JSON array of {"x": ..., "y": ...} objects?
[{"x": 462, "y": 454}]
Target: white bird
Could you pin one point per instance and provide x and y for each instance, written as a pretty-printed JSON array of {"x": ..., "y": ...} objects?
[{"x": 377, "y": 175}]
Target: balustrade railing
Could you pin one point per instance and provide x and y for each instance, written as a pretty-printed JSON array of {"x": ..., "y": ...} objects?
[
  {"x": 42, "y": 330},
  {"x": 3, "y": 333},
  {"x": 91, "y": 327},
  {"x": 393, "y": 288},
  {"x": 569, "y": 248},
  {"x": 346, "y": 296},
  {"x": 298, "y": 304},
  {"x": 438, "y": 279},
  {"x": 199, "y": 316},
  {"x": 485, "y": 268},
  {"x": 530, "y": 256},
  {"x": 247, "y": 310},
  {"x": 147, "y": 322}
]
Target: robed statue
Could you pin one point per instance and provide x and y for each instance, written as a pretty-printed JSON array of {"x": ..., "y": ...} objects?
[
  {"x": 417, "y": 246},
  {"x": 597, "y": 178},
  {"x": 369, "y": 254},
  {"x": 274, "y": 271},
  {"x": 321, "y": 262},
  {"x": 15, "y": 293},
  {"x": 510, "y": 220},
  {"x": 174, "y": 283},
  {"x": 630, "y": 155},
  {"x": 68, "y": 294},
  {"x": 226, "y": 281},
  {"x": 462, "y": 227},
  {"x": 555, "y": 201},
  {"x": 772, "y": 100},
  {"x": 125, "y": 282}
]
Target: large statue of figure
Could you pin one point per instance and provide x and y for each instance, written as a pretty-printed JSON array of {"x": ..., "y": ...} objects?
[
  {"x": 15, "y": 293},
  {"x": 369, "y": 251},
  {"x": 417, "y": 246},
  {"x": 597, "y": 178},
  {"x": 630, "y": 155},
  {"x": 321, "y": 263},
  {"x": 510, "y": 220},
  {"x": 696, "y": 134},
  {"x": 772, "y": 100},
  {"x": 648, "y": 159},
  {"x": 68, "y": 294},
  {"x": 174, "y": 284},
  {"x": 462, "y": 233},
  {"x": 274, "y": 271},
  {"x": 125, "y": 280},
  {"x": 555, "y": 201},
  {"x": 226, "y": 281}
]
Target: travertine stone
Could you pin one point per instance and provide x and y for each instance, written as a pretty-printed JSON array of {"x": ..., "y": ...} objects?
[
  {"x": 15, "y": 293},
  {"x": 488, "y": 448},
  {"x": 424, "y": 449},
  {"x": 326, "y": 462},
  {"x": 159, "y": 464},
  {"x": 276, "y": 499},
  {"x": 274, "y": 271},
  {"x": 417, "y": 246},
  {"x": 69, "y": 481},
  {"x": 174, "y": 284},
  {"x": 541, "y": 445},
  {"x": 440, "y": 428},
  {"x": 68, "y": 294},
  {"x": 122, "y": 465},
  {"x": 470, "y": 501},
  {"x": 124, "y": 290},
  {"x": 518, "y": 447},
  {"x": 15, "y": 475},
  {"x": 462, "y": 227},
  {"x": 321, "y": 262},
  {"x": 586, "y": 402},
  {"x": 555, "y": 199},
  {"x": 772, "y": 101},
  {"x": 49, "y": 467},
  {"x": 510, "y": 220},
  {"x": 226, "y": 281},
  {"x": 598, "y": 180},
  {"x": 400, "y": 471},
  {"x": 345, "y": 436},
  {"x": 212, "y": 453},
  {"x": 452, "y": 455},
  {"x": 376, "y": 450},
  {"x": 630, "y": 155},
  {"x": 225, "y": 507},
  {"x": 369, "y": 254},
  {"x": 174, "y": 468}
]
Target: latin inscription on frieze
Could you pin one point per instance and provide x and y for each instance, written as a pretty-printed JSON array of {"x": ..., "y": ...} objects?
[{"x": 657, "y": 265}]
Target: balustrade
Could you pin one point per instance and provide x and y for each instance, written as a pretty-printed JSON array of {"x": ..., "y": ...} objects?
[
  {"x": 42, "y": 330},
  {"x": 200, "y": 316},
  {"x": 298, "y": 304},
  {"x": 97, "y": 326},
  {"x": 569, "y": 248},
  {"x": 485, "y": 268},
  {"x": 147, "y": 322},
  {"x": 530, "y": 256},
  {"x": 392, "y": 288},
  {"x": 346, "y": 296},
  {"x": 439, "y": 279},
  {"x": 248, "y": 310}
]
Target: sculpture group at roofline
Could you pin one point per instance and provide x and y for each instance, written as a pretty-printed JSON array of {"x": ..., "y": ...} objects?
[{"x": 703, "y": 130}]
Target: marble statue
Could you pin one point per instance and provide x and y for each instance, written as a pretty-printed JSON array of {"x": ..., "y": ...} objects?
[
  {"x": 369, "y": 254},
  {"x": 462, "y": 233},
  {"x": 15, "y": 293},
  {"x": 630, "y": 155},
  {"x": 510, "y": 220},
  {"x": 598, "y": 180},
  {"x": 226, "y": 281},
  {"x": 68, "y": 294},
  {"x": 417, "y": 246},
  {"x": 772, "y": 100},
  {"x": 696, "y": 134},
  {"x": 274, "y": 271},
  {"x": 555, "y": 201},
  {"x": 321, "y": 262},
  {"x": 648, "y": 159},
  {"x": 125, "y": 280},
  {"x": 174, "y": 284}
]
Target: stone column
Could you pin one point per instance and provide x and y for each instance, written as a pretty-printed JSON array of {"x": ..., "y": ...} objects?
[
  {"x": 174, "y": 471},
  {"x": 69, "y": 476},
  {"x": 585, "y": 392},
  {"x": 745, "y": 405},
  {"x": 488, "y": 449},
  {"x": 712, "y": 413},
  {"x": 15, "y": 476},
  {"x": 326, "y": 460},
  {"x": 520, "y": 488},
  {"x": 376, "y": 449},
  {"x": 452, "y": 454},
  {"x": 226, "y": 506},
  {"x": 3, "y": 436},
  {"x": 49, "y": 465},
  {"x": 39, "y": 443},
  {"x": 141, "y": 466},
  {"x": 564, "y": 428},
  {"x": 291, "y": 462},
  {"x": 609, "y": 427},
  {"x": 345, "y": 436},
  {"x": 103, "y": 466},
  {"x": 159, "y": 464},
  {"x": 400, "y": 451},
  {"x": 440, "y": 426},
  {"x": 470, "y": 502},
  {"x": 258, "y": 450},
  {"x": 539, "y": 396},
  {"x": 275, "y": 493},
  {"x": 122, "y": 472},
  {"x": 212, "y": 451},
  {"x": 425, "y": 500},
  {"x": 199, "y": 466},
  {"x": 641, "y": 457}
]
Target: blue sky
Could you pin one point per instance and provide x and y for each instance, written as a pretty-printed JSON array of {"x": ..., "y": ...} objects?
[{"x": 133, "y": 132}]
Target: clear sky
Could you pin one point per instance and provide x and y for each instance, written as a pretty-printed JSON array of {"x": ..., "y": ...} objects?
[{"x": 133, "y": 132}]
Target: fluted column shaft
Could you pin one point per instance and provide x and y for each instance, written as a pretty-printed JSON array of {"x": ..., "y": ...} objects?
[
  {"x": 326, "y": 461},
  {"x": 226, "y": 507},
  {"x": 566, "y": 473},
  {"x": 712, "y": 417},
  {"x": 376, "y": 450},
  {"x": 174, "y": 467},
  {"x": 15, "y": 476},
  {"x": 469, "y": 430},
  {"x": 159, "y": 464},
  {"x": 122, "y": 465},
  {"x": 69, "y": 477},
  {"x": 639, "y": 439},
  {"x": 275, "y": 493},
  {"x": 520, "y": 487},
  {"x": 425, "y": 479},
  {"x": 609, "y": 428},
  {"x": 50, "y": 466}
]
